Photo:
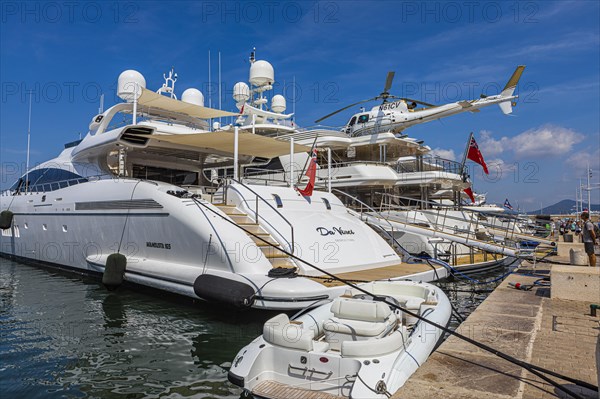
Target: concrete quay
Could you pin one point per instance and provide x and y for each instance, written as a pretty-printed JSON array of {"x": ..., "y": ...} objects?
[{"x": 533, "y": 326}]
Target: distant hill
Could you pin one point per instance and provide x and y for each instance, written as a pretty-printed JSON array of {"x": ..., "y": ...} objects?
[{"x": 563, "y": 207}]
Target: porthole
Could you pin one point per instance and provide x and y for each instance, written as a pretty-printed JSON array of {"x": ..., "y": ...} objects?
[
  {"x": 64, "y": 227},
  {"x": 327, "y": 204},
  {"x": 44, "y": 227}
]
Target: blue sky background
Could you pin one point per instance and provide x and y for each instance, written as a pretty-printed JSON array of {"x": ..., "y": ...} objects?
[{"x": 338, "y": 52}]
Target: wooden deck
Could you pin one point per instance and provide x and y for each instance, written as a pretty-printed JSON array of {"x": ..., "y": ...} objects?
[
  {"x": 478, "y": 257},
  {"x": 276, "y": 390},
  {"x": 380, "y": 273}
]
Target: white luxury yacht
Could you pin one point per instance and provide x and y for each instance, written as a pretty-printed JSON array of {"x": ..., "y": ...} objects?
[
  {"x": 139, "y": 200},
  {"x": 390, "y": 179}
]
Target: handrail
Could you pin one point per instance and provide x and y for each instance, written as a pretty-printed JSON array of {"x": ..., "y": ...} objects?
[
  {"x": 439, "y": 205},
  {"x": 429, "y": 163},
  {"x": 258, "y": 196},
  {"x": 339, "y": 164},
  {"x": 510, "y": 232},
  {"x": 391, "y": 236}
]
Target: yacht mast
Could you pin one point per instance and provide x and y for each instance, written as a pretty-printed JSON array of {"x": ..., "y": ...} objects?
[
  {"x": 589, "y": 189},
  {"x": 220, "y": 107},
  {"x": 28, "y": 143},
  {"x": 209, "y": 92}
]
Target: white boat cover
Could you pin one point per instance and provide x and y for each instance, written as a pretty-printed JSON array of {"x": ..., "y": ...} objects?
[
  {"x": 249, "y": 144},
  {"x": 155, "y": 100}
]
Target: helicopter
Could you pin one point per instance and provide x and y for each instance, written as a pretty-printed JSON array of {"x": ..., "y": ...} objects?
[{"x": 398, "y": 115}]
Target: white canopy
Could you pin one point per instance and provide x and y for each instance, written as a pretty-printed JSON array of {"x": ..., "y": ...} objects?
[
  {"x": 249, "y": 144},
  {"x": 155, "y": 100}
]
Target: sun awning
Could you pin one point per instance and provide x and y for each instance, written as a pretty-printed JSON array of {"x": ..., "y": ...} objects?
[
  {"x": 248, "y": 143},
  {"x": 155, "y": 100}
]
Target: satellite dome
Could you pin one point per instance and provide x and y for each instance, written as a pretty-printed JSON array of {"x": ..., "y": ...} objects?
[
  {"x": 261, "y": 73},
  {"x": 130, "y": 84},
  {"x": 278, "y": 103},
  {"x": 241, "y": 92},
  {"x": 193, "y": 96}
]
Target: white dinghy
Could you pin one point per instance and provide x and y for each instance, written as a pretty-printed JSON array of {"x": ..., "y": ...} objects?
[{"x": 356, "y": 346}]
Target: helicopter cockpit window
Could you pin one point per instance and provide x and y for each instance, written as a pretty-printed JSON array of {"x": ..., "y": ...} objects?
[
  {"x": 352, "y": 121},
  {"x": 363, "y": 118}
]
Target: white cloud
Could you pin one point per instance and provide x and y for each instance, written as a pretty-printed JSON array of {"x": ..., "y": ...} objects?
[
  {"x": 445, "y": 154},
  {"x": 499, "y": 169},
  {"x": 544, "y": 141},
  {"x": 547, "y": 140},
  {"x": 581, "y": 159},
  {"x": 490, "y": 146}
]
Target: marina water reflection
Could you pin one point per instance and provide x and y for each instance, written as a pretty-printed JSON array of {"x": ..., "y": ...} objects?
[{"x": 66, "y": 336}]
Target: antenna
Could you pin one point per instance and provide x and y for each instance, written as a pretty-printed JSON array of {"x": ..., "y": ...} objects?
[
  {"x": 209, "y": 83},
  {"x": 101, "y": 108},
  {"x": 220, "y": 84},
  {"x": 28, "y": 142},
  {"x": 253, "y": 55},
  {"x": 294, "y": 98},
  {"x": 209, "y": 93},
  {"x": 169, "y": 85}
]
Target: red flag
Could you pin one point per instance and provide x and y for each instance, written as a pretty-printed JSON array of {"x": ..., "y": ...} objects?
[
  {"x": 311, "y": 172},
  {"x": 469, "y": 192},
  {"x": 475, "y": 155}
]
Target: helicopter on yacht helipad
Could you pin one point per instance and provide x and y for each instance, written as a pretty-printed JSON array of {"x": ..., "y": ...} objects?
[{"x": 398, "y": 115}]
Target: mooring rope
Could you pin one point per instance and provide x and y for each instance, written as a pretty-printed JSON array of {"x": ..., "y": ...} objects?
[{"x": 532, "y": 368}]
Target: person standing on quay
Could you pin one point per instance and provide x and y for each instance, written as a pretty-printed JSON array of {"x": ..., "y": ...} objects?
[{"x": 589, "y": 237}]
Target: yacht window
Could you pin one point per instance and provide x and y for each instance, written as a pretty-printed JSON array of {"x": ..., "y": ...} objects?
[
  {"x": 363, "y": 118},
  {"x": 278, "y": 201},
  {"x": 274, "y": 164},
  {"x": 352, "y": 121},
  {"x": 166, "y": 175},
  {"x": 48, "y": 179},
  {"x": 327, "y": 204}
]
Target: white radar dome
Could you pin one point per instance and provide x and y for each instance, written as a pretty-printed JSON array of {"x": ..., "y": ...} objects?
[
  {"x": 261, "y": 73},
  {"x": 193, "y": 96},
  {"x": 278, "y": 103},
  {"x": 130, "y": 85},
  {"x": 241, "y": 92}
]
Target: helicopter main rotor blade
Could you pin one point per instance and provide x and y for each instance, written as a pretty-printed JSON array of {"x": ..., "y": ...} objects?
[
  {"x": 388, "y": 82},
  {"x": 343, "y": 109},
  {"x": 418, "y": 102}
]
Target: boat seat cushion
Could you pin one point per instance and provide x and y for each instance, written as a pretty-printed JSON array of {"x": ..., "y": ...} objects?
[
  {"x": 357, "y": 328},
  {"x": 356, "y": 319},
  {"x": 373, "y": 347},
  {"x": 410, "y": 302},
  {"x": 279, "y": 331},
  {"x": 320, "y": 346},
  {"x": 361, "y": 310}
]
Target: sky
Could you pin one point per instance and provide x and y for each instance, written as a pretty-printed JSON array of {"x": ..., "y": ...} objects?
[{"x": 333, "y": 53}]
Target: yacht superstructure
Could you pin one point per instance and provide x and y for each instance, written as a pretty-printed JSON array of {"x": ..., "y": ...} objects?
[
  {"x": 138, "y": 194},
  {"x": 390, "y": 177}
]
